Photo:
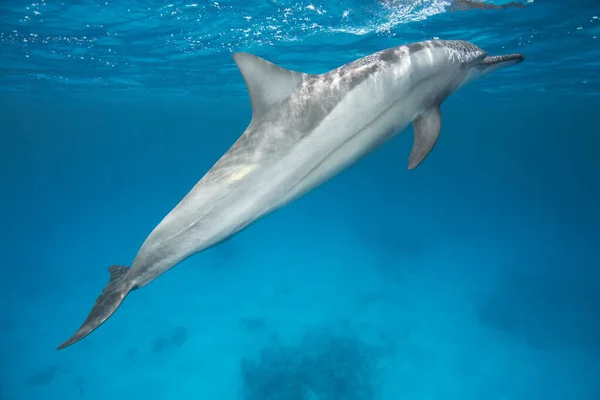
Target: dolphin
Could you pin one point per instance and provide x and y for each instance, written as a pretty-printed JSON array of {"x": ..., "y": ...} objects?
[{"x": 305, "y": 129}]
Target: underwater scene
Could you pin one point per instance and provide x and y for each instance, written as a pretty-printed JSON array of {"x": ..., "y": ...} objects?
[{"x": 299, "y": 200}]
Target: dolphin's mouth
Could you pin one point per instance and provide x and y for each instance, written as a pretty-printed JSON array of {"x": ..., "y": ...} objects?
[
  {"x": 493, "y": 63},
  {"x": 491, "y": 60}
]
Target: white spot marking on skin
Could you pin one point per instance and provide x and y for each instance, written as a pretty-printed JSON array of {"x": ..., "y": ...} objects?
[{"x": 237, "y": 175}]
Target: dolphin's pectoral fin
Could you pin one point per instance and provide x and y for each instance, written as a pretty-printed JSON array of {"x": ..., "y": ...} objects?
[
  {"x": 267, "y": 83},
  {"x": 106, "y": 304},
  {"x": 427, "y": 131}
]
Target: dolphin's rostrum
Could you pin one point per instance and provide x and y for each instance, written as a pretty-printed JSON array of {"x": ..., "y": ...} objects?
[{"x": 305, "y": 129}]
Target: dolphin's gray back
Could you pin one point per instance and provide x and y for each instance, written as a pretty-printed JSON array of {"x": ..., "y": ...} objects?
[{"x": 306, "y": 107}]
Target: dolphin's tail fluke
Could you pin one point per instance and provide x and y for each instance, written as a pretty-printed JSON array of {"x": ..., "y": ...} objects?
[{"x": 106, "y": 304}]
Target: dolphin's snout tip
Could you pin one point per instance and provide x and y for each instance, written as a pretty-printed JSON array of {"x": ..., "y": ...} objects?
[{"x": 513, "y": 58}]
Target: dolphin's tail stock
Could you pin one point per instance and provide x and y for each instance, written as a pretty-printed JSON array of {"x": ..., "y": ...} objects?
[{"x": 106, "y": 304}]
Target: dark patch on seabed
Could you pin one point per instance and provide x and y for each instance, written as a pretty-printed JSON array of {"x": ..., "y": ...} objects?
[
  {"x": 251, "y": 324},
  {"x": 80, "y": 382},
  {"x": 42, "y": 377},
  {"x": 132, "y": 354},
  {"x": 322, "y": 366},
  {"x": 176, "y": 339}
]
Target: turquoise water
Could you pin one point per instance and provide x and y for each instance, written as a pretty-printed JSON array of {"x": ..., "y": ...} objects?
[{"x": 473, "y": 277}]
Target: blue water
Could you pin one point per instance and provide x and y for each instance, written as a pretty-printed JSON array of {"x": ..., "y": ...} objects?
[{"x": 473, "y": 277}]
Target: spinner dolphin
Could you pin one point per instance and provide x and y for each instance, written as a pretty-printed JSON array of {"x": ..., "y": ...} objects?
[{"x": 305, "y": 128}]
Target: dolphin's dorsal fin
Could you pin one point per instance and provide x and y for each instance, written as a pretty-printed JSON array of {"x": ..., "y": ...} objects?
[
  {"x": 426, "y": 129},
  {"x": 267, "y": 83}
]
